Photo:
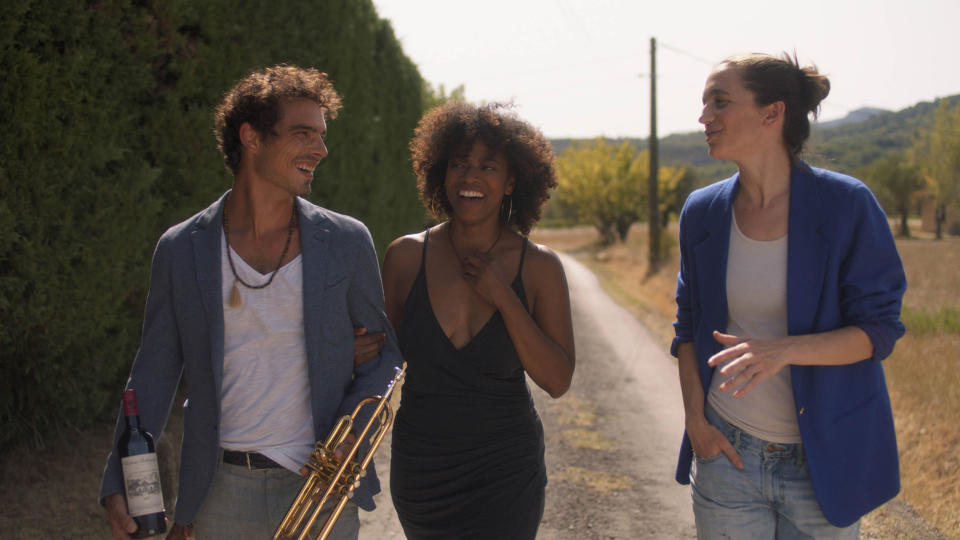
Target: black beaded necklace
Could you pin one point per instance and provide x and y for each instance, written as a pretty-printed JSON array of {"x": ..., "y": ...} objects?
[{"x": 235, "y": 300}]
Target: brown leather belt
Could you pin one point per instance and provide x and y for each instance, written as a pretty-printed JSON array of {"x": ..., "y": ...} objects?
[{"x": 250, "y": 460}]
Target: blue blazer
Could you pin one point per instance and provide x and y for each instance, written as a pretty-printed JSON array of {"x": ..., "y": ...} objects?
[
  {"x": 183, "y": 334},
  {"x": 842, "y": 269}
]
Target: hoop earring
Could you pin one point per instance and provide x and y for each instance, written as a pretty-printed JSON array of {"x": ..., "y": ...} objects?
[
  {"x": 436, "y": 203},
  {"x": 509, "y": 210}
]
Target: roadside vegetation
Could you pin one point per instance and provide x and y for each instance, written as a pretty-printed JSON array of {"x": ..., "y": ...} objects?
[
  {"x": 109, "y": 107},
  {"x": 923, "y": 374}
]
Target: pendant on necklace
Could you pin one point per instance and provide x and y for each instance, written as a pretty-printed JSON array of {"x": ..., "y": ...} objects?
[{"x": 235, "y": 299}]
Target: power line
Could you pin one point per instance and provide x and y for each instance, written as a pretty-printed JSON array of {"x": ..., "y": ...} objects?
[{"x": 685, "y": 53}]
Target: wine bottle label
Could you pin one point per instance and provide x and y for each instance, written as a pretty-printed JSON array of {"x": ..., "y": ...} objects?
[{"x": 141, "y": 481}]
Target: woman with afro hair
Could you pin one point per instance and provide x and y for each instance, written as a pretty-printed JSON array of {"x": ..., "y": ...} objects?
[{"x": 476, "y": 305}]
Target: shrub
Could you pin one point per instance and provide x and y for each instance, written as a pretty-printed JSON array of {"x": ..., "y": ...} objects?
[{"x": 106, "y": 110}]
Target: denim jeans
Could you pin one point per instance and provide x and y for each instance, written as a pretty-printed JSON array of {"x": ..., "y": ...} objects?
[
  {"x": 249, "y": 504},
  {"x": 772, "y": 497}
]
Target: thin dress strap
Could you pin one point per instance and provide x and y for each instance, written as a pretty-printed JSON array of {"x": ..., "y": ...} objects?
[
  {"x": 517, "y": 284},
  {"x": 523, "y": 252},
  {"x": 423, "y": 256}
]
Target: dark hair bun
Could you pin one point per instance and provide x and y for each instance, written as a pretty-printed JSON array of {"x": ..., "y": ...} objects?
[
  {"x": 815, "y": 87},
  {"x": 801, "y": 89}
]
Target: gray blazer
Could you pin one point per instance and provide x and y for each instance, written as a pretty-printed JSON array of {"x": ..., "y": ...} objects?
[{"x": 183, "y": 335}]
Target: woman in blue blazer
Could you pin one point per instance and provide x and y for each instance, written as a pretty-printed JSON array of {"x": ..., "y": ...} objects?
[{"x": 788, "y": 297}]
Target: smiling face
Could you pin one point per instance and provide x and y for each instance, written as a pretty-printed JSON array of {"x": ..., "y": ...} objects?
[
  {"x": 476, "y": 182},
  {"x": 287, "y": 157},
  {"x": 733, "y": 121}
]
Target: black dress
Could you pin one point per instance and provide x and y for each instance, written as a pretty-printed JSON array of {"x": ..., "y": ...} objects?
[{"x": 467, "y": 456}]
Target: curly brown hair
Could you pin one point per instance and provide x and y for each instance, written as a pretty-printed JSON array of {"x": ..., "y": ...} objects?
[
  {"x": 257, "y": 98},
  {"x": 447, "y": 130}
]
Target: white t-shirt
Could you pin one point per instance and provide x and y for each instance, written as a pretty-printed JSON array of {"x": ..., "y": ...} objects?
[
  {"x": 757, "y": 308},
  {"x": 265, "y": 398}
]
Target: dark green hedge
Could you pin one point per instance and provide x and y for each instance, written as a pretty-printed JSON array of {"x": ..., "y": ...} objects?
[{"x": 106, "y": 114}]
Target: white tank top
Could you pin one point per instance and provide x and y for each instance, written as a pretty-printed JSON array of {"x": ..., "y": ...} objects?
[
  {"x": 265, "y": 398},
  {"x": 757, "y": 308}
]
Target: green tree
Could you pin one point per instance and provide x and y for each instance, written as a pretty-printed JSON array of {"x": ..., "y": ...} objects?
[
  {"x": 433, "y": 97},
  {"x": 607, "y": 185},
  {"x": 896, "y": 182},
  {"x": 675, "y": 185},
  {"x": 106, "y": 110},
  {"x": 938, "y": 155}
]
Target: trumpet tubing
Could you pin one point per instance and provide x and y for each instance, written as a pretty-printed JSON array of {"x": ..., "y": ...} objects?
[{"x": 331, "y": 478}]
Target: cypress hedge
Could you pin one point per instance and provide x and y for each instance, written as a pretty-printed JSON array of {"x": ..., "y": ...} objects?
[{"x": 106, "y": 116}]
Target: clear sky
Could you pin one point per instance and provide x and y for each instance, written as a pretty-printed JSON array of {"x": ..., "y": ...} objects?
[{"x": 578, "y": 68}]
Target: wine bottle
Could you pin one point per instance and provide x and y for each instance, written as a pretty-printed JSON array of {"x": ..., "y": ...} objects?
[{"x": 141, "y": 473}]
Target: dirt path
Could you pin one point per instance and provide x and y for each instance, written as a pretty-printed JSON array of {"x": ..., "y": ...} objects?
[
  {"x": 611, "y": 448},
  {"x": 611, "y": 440}
]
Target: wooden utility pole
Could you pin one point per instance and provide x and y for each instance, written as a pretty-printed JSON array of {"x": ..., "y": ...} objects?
[{"x": 653, "y": 199}]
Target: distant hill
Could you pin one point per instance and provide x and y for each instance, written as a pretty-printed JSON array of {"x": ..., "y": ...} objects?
[
  {"x": 849, "y": 146},
  {"x": 853, "y": 117},
  {"x": 845, "y": 145}
]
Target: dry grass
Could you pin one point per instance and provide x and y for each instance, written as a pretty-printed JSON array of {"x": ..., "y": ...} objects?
[
  {"x": 599, "y": 481},
  {"x": 924, "y": 378},
  {"x": 923, "y": 373},
  {"x": 53, "y": 492}
]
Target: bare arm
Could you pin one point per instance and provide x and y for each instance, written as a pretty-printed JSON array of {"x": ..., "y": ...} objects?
[
  {"x": 400, "y": 266},
  {"x": 366, "y": 346},
  {"x": 748, "y": 362},
  {"x": 707, "y": 440}
]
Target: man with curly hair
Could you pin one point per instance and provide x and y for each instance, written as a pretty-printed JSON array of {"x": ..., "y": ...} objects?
[{"x": 254, "y": 301}]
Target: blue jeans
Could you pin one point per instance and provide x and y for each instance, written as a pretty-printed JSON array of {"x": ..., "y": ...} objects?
[
  {"x": 772, "y": 497},
  {"x": 249, "y": 504}
]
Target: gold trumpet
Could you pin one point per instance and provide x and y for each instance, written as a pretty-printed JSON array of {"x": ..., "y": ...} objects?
[{"x": 332, "y": 477}]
